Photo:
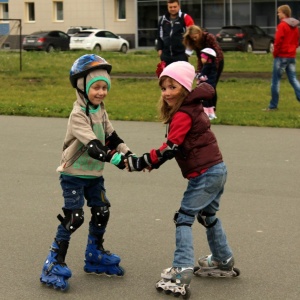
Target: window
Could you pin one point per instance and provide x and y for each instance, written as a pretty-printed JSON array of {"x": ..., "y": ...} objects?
[
  {"x": 58, "y": 10},
  {"x": 121, "y": 9},
  {"x": 4, "y": 11},
  {"x": 30, "y": 13}
]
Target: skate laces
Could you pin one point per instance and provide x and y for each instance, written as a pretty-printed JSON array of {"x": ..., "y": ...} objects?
[{"x": 170, "y": 272}]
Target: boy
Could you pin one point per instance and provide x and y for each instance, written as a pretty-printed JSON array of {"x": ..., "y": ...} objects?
[{"x": 90, "y": 141}]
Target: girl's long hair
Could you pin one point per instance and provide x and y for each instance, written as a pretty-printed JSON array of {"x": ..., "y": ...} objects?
[
  {"x": 188, "y": 42},
  {"x": 166, "y": 112}
]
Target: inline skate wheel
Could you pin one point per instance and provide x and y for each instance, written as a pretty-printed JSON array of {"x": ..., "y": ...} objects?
[
  {"x": 237, "y": 271},
  {"x": 187, "y": 294}
]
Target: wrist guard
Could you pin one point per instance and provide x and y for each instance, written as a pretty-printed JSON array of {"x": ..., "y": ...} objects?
[{"x": 113, "y": 140}]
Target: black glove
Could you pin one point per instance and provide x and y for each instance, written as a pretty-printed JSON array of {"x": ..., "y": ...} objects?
[
  {"x": 139, "y": 163},
  {"x": 121, "y": 164}
]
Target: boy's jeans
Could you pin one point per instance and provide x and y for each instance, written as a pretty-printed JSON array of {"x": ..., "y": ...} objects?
[
  {"x": 75, "y": 191},
  {"x": 279, "y": 66},
  {"x": 203, "y": 193}
]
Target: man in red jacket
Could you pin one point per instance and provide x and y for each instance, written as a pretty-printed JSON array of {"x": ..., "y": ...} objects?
[{"x": 286, "y": 43}]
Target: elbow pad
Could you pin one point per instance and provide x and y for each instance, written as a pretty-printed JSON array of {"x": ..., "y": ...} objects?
[
  {"x": 167, "y": 153},
  {"x": 113, "y": 140},
  {"x": 97, "y": 150}
]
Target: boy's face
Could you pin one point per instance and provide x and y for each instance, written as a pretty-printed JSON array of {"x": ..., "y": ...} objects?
[
  {"x": 97, "y": 92},
  {"x": 280, "y": 14}
]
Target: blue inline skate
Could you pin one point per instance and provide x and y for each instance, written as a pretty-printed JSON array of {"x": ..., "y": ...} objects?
[
  {"x": 100, "y": 261},
  {"x": 55, "y": 271}
]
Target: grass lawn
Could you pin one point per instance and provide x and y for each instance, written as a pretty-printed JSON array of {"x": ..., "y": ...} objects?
[{"x": 42, "y": 88}]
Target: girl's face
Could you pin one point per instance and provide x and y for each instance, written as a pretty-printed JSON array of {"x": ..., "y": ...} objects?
[
  {"x": 171, "y": 91},
  {"x": 195, "y": 37},
  {"x": 97, "y": 92}
]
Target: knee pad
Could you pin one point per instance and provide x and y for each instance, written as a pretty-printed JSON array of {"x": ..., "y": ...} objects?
[
  {"x": 100, "y": 215},
  {"x": 201, "y": 217},
  {"x": 73, "y": 219},
  {"x": 181, "y": 211}
]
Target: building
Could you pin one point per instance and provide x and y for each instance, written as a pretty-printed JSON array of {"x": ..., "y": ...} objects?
[{"x": 136, "y": 20}]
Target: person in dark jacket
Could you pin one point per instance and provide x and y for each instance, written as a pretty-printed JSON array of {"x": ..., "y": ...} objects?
[
  {"x": 193, "y": 144},
  {"x": 197, "y": 39},
  {"x": 171, "y": 28}
]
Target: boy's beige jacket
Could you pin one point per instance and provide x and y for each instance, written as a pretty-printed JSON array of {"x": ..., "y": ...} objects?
[{"x": 81, "y": 130}]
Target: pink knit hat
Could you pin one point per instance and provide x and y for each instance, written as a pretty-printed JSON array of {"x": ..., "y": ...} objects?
[{"x": 181, "y": 71}]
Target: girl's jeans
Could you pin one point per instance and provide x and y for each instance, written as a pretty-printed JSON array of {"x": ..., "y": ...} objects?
[
  {"x": 279, "y": 66},
  {"x": 75, "y": 190},
  {"x": 203, "y": 193}
]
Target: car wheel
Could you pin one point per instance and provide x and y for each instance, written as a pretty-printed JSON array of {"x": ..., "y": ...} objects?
[
  {"x": 270, "y": 48},
  {"x": 249, "y": 48},
  {"x": 50, "y": 48},
  {"x": 124, "y": 48},
  {"x": 97, "y": 48}
]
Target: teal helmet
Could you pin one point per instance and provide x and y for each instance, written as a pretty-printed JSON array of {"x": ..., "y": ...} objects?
[{"x": 85, "y": 64}]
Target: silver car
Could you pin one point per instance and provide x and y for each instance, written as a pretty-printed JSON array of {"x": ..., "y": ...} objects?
[{"x": 98, "y": 40}]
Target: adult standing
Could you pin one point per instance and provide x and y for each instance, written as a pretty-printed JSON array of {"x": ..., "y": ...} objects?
[
  {"x": 171, "y": 28},
  {"x": 285, "y": 45},
  {"x": 196, "y": 39}
]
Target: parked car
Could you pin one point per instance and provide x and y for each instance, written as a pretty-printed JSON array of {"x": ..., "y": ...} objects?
[
  {"x": 98, "y": 40},
  {"x": 47, "y": 41},
  {"x": 74, "y": 29},
  {"x": 245, "y": 38}
]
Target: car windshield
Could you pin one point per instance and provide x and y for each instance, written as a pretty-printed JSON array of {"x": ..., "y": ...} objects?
[
  {"x": 230, "y": 31},
  {"x": 39, "y": 33},
  {"x": 72, "y": 31},
  {"x": 83, "y": 34}
]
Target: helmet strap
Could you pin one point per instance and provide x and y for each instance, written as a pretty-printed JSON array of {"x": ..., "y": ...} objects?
[{"x": 84, "y": 94}]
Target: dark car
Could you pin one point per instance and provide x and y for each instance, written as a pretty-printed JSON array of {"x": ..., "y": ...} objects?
[
  {"x": 47, "y": 41},
  {"x": 246, "y": 38}
]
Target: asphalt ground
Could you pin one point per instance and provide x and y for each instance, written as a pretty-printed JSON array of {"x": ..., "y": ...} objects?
[{"x": 259, "y": 211}]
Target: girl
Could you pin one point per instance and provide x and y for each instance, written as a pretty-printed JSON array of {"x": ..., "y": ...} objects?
[
  {"x": 194, "y": 146},
  {"x": 208, "y": 75}
]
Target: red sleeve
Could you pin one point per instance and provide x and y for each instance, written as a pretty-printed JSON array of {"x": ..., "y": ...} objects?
[
  {"x": 179, "y": 127},
  {"x": 188, "y": 20},
  {"x": 279, "y": 36}
]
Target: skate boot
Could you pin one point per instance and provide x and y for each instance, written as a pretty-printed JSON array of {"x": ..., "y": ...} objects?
[
  {"x": 55, "y": 271},
  {"x": 100, "y": 261},
  {"x": 176, "y": 281},
  {"x": 212, "y": 268}
]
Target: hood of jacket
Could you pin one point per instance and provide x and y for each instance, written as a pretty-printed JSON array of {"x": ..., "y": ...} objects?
[
  {"x": 291, "y": 21},
  {"x": 203, "y": 91}
]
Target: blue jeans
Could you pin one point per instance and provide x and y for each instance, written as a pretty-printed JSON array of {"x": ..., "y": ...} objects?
[
  {"x": 75, "y": 190},
  {"x": 202, "y": 193},
  {"x": 279, "y": 66}
]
